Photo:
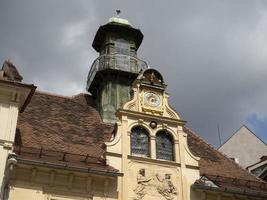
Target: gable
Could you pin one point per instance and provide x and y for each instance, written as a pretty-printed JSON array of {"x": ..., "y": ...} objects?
[{"x": 245, "y": 146}]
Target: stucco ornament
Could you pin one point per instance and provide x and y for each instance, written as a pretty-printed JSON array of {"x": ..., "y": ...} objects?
[
  {"x": 166, "y": 187},
  {"x": 142, "y": 182},
  {"x": 157, "y": 186}
]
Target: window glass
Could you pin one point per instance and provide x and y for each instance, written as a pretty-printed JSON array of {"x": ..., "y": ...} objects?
[
  {"x": 164, "y": 145},
  {"x": 139, "y": 141}
]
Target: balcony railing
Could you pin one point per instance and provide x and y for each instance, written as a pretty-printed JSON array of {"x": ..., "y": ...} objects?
[{"x": 116, "y": 62}]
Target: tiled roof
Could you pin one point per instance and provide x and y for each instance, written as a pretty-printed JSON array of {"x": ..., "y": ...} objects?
[
  {"x": 220, "y": 169},
  {"x": 213, "y": 162},
  {"x": 72, "y": 125},
  {"x": 62, "y": 124},
  {"x": 232, "y": 185}
]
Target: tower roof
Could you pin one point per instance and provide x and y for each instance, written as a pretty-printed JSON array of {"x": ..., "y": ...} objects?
[
  {"x": 120, "y": 21},
  {"x": 119, "y": 26}
]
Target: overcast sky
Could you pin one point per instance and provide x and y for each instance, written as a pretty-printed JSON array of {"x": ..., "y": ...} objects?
[{"x": 213, "y": 54}]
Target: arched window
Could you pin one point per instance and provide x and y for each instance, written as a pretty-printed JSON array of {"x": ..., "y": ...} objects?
[
  {"x": 139, "y": 141},
  {"x": 164, "y": 145}
]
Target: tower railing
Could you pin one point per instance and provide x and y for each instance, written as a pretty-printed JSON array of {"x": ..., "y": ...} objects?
[{"x": 119, "y": 62}]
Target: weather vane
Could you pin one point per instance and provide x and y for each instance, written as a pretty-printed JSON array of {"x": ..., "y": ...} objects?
[{"x": 118, "y": 13}]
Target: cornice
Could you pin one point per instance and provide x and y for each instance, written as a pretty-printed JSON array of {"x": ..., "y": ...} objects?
[{"x": 149, "y": 117}]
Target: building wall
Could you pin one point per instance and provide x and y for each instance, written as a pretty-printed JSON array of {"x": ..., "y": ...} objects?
[
  {"x": 40, "y": 183},
  {"x": 8, "y": 122},
  {"x": 244, "y": 146},
  {"x": 149, "y": 178}
]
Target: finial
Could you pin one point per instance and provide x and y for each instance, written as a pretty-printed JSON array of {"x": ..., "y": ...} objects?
[{"x": 118, "y": 13}]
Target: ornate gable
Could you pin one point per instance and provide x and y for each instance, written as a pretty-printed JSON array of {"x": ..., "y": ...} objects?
[{"x": 149, "y": 96}]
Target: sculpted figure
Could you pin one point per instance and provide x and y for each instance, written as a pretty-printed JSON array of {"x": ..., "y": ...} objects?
[
  {"x": 142, "y": 182},
  {"x": 10, "y": 72},
  {"x": 166, "y": 187}
]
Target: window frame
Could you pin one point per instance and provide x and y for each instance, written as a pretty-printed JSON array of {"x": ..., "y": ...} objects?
[
  {"x": 147, "y": 133},
  {"x": 168, "y": 134}
]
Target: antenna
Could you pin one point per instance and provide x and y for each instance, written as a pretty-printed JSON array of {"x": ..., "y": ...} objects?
[
  {"x": 118, "y": 12},
  {"x": 219, "y": 134}
]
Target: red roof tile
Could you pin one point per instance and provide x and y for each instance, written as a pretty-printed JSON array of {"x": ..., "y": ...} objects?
[
  {"x": 213, "y": 162},
  {"x": 63, "y": 124},
  {"x": 72, "y": 125},
  {"x": 220, "y": 169}
]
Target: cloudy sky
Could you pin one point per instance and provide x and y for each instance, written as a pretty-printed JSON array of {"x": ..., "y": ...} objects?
[{"x": 212, "y": 53}]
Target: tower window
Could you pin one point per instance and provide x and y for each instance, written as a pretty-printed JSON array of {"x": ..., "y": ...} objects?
[
  {"x": 140, "y": 141},
  {"x": 164, "y": 145},
  {"x": 122, "y": 47}
]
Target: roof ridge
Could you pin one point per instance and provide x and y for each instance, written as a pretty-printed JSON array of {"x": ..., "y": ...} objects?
[
  {"x": 53, "y": 94},
  {"x": 221, "y": 154},
  {"x": 72, "y": 98},
  {"x": 82, "y": 93},
  {"x": 252, "y": 132},
  {"x": 60, "y": 95}
]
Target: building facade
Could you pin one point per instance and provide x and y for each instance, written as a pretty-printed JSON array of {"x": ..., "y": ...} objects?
[
  {"x": 259, "y": 168},
  {"x": 121, "y": 141},
  {"x": 247, "y": 150}
]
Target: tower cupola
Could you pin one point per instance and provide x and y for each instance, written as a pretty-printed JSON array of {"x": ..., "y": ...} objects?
[{"x": 112, "y": 73}]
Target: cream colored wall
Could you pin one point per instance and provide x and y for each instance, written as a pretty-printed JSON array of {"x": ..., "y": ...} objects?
[
  {"x": 184, "y": 170},
  {"x": 8, "y": 120},
  {"x": 48, "y": 184},
  {"x": 3, "y": 158}
]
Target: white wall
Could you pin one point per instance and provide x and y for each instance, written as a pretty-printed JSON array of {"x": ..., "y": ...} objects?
[
  {"x": 244, "y": 146},
  {"x": 8, "y": 123}
]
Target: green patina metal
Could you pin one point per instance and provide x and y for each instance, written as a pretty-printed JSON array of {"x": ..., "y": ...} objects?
[{"x": 112, "y": 73}]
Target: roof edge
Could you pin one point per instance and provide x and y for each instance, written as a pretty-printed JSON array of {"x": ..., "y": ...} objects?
[
  {"x": 221, "y": 154},
  {"x": 68, "y": 167},
  {"x": 28, "y": 99},
  {"x": 227, "y": 190}
]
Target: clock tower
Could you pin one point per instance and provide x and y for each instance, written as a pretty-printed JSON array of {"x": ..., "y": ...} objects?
[{"x": 113, "y": 72}]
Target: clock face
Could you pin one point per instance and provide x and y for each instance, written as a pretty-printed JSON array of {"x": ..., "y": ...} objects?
[{"x": 151, "y": 99}]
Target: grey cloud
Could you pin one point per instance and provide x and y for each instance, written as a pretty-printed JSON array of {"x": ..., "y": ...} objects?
[{"x": 211, "y": 53}]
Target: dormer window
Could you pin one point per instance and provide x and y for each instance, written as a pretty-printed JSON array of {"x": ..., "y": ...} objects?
[
  {"x": 140, "y": 141},
  {"x": 164, "y": 145}
]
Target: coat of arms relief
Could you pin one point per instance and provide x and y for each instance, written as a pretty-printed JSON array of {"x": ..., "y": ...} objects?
[{"x": 160, "y": 183}]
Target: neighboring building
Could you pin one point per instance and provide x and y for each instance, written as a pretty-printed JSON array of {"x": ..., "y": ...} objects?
[
  {"x": 121, "y": 142},
  {"x": 244, "y": 147},
  {"x": 260, "y": 168},
  {"x": 247, "y": 150}
]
